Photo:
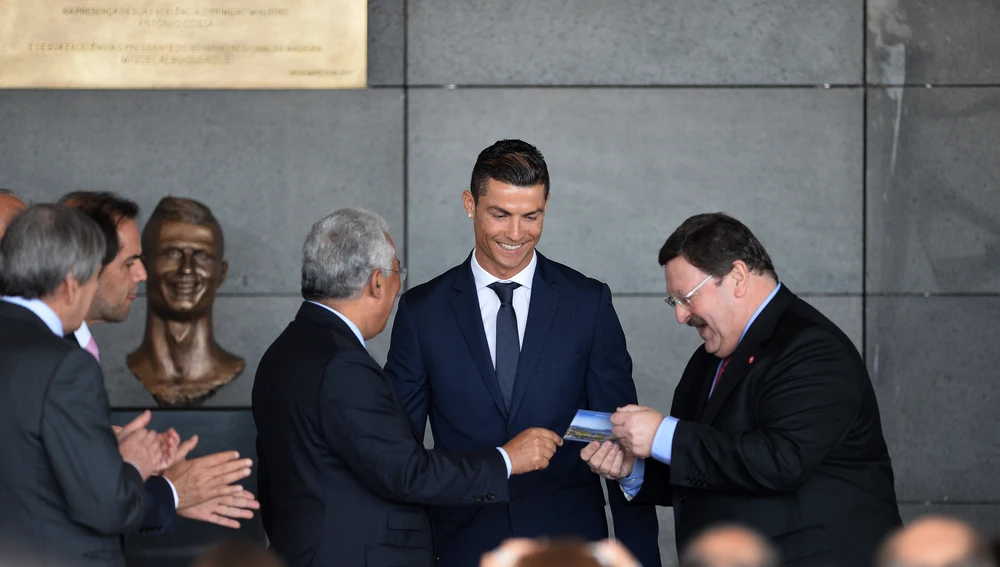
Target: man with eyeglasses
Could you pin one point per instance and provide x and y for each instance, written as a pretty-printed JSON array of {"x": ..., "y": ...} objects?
[{"x": 774, "y": 423}]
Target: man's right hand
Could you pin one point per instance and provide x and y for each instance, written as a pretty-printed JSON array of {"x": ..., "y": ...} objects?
[
  {"x": 608, "y": 459},
  {"x": 205, "y": 478},
  {"x": 143, "y": 449},
  {"x": 531, "y": 450}
]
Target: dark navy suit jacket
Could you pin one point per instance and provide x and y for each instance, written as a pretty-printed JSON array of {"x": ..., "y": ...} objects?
[
  {"x": 573, "y": 356},
  {"x": 342, "y": 476}
]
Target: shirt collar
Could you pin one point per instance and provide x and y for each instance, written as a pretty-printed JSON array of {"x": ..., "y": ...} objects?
[
  {"x": 484, "y": 278},
  {"x": 354, "y": 328},
  {"x": 83, "y": 334},
  {"x": 40, "y": 309},
  {"x": 759, "y": 309}
]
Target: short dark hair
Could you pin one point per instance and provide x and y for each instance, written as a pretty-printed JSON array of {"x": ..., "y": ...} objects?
[
  {"x": 515, "y": 162},
  {"x": 711, "y": 242},
  {"x": 6, "y": 193},
  {"x": 182, "y": 210},
  {"x": 238, "y": 553},
  {"x": 108, "y": 211},
  {"x": 43, "y": 245}
]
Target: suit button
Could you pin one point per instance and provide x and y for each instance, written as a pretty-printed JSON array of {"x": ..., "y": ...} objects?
[
  {"x": 490, "y": 496},
  {"x": 479, "y": 498}
]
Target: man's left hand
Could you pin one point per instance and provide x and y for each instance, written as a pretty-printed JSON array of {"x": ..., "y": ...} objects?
[
  {"x": 635, "y": 427},
  {"x": 223, "y": 510}
]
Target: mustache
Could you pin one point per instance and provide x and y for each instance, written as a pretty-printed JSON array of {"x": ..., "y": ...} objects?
[{"x": 696, "y": 322}]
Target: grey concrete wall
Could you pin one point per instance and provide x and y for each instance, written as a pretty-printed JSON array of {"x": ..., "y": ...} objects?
[{"x": 858, "y": 139}]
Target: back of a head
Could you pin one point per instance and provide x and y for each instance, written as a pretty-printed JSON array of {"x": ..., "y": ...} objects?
[
  {"x": 236, "y": 553},
  {"x": 43, "y": 245},
  {"x": 562, "y": 553},
  {"x": 936, "y": 541},
  {"x": 729, "y": 546},
  {"x": 107, "y": 210},
  {"x": 514, "y": 162},
  {"x": 711, "y": 242},
  {"x": 341, "y": 252}
]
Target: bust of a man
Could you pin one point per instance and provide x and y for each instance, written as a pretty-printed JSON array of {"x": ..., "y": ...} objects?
[{"x": 179, "y": 361}]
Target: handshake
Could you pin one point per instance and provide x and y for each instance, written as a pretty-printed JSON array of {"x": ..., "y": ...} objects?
[{"x": 531, "y": 450}]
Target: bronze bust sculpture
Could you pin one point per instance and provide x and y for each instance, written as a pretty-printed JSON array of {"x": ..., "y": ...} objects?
[{"x": 179, "y": 361}]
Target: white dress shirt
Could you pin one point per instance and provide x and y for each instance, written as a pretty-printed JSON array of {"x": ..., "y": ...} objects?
[
  {"x": 83, "y": 335},
  {"x": 489, "y": 302}
]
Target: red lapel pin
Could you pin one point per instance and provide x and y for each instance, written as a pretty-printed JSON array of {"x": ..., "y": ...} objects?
[{"x": 751, "y": 360}]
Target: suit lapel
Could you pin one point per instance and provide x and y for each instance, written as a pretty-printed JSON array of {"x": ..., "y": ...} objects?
[
  {"x": 702, "y": 375},
  {"x": 748, "y": 350},
  {"x": 541, "y": 310},
  {"x": 465, "y": 305}
]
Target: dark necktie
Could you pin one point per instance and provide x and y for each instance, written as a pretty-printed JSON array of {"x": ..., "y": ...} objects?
[
  {"x": 508, "y": 345},
  {"x": 718, "y": 374}
]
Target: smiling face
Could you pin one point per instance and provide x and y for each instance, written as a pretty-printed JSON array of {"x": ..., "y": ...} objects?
[
  {"x": 712, "y": 311},
  {"x": 508, "y": 224},
  {"x": 184, "y": 271}
]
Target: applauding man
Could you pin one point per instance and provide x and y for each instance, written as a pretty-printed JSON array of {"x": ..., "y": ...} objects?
[{"x": 200, "y": 489}]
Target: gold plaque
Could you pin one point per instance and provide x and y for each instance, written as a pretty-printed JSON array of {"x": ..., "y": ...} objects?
[{"x": 183, "y": 44}]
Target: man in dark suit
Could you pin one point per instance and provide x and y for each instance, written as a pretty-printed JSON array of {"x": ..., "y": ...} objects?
[
  {"x": 774, "y": 423},
  {"x": 507, "y": 340},
  {"x": 343, "y": 477},
  {"x": 202, "y": 488},
  {"x": 65, "y": 491}
]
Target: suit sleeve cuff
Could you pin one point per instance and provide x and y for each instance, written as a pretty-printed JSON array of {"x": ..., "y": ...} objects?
[
  {"x": 173, "y": 490},
  {"x": 137, "y": 469},
  {"x": 631, "y": 484},
  {"x": 663, "y": 442},
  {"x": 506, "y": 460}
]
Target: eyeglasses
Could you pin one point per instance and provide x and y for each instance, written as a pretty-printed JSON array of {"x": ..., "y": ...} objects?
[
  {"x": 686, "y": 300},
  {"x": 402, "y": 273}
]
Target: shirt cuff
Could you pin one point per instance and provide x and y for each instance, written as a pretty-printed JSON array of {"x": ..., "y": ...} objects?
[
  {"x": 173, "y": 490},
  {"x": 506, "y": 460},
  {"x": 631, "y": 484},
  {"x": 663, "y": 442}
]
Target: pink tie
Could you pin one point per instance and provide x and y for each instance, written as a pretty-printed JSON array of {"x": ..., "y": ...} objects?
[{"x": 92, "y": 349}]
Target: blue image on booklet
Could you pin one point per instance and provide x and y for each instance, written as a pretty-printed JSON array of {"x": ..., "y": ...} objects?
[{"x": 590, "y": 426}]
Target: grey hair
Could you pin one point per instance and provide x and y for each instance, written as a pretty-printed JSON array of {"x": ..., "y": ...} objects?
[
  {"x": 43, "y": 245},
  {"x": 341, "y": 252}
]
